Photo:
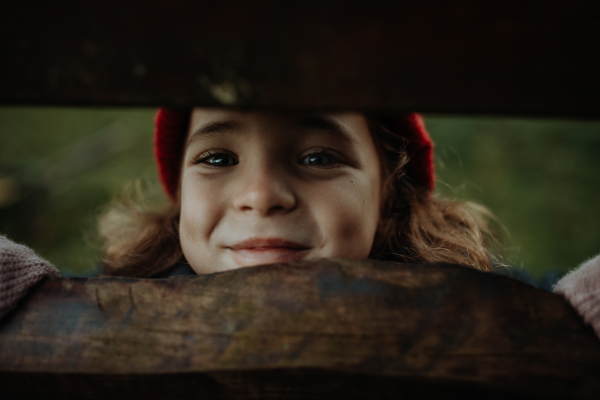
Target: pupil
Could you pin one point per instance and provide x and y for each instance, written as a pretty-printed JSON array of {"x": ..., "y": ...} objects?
[
  {"x": 319, "y": 160},
  {"x": 220, "y": 161}
]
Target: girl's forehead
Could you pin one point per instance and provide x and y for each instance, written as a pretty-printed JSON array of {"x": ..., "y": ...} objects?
[{"x": 205, "y": 122}]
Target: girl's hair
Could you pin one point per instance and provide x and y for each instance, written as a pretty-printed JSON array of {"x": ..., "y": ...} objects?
[{"x": 415, "y": 224}]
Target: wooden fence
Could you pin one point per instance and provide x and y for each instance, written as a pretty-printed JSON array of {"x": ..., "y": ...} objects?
[
  {"x": 533, "y": 57},
  {"x": 328, "y": 329}
]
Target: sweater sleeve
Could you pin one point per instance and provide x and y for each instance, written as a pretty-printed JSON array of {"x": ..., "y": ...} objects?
[
  {"x": 20, "y": 269},
  {"x": 581, "y": 288}
]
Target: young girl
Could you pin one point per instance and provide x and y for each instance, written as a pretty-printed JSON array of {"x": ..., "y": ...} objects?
[{"x": 250, "y": 188}]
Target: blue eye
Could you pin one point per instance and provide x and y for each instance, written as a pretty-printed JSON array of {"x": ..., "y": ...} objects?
[
  {"x": 318, "y": 160},
  {"x": 219, "y": 160},
  {"x": 324, "y": 158}
]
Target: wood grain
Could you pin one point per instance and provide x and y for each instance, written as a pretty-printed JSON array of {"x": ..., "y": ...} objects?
[
  {"x": 300, "y": 330},
  {"x": 465, "y": 56}
]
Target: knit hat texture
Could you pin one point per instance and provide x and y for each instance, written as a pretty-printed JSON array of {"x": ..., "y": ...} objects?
[{"x": 171, "y": 127}]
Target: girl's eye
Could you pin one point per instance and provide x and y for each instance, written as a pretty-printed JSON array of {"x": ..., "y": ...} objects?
[
  {"x": 218, "y": 160},
  {"x": 320, "y": 160},
  {"x": 317, "y": 160}
]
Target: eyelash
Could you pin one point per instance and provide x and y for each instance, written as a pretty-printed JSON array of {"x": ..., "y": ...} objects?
[
  {"x": 335, "y": 158},
  {"x": 207, "y": 155}
]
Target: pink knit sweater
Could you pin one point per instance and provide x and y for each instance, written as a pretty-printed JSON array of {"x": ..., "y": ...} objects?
[
  {"x": 582, "y": 288},
  {"x": 21, "y": 269}
]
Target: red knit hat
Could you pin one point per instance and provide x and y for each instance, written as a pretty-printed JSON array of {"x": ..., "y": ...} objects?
[{"x": 172, "y": 127}]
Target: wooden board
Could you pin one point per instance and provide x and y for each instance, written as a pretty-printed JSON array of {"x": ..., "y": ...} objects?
[
  {"x": 324, "y": 329},
  {"x": 465, "y": 56}
]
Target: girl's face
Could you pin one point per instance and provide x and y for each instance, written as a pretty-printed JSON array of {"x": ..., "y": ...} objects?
[{"x": 261, "y": 188}]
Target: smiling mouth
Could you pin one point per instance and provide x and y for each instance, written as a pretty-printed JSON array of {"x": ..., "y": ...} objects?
[{"x": 256, "y": 251}]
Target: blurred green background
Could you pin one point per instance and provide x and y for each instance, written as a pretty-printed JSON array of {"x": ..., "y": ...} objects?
[{"x": 60, "y": 166}]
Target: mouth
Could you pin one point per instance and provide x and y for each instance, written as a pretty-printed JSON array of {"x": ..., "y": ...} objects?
[{"x": 257, "y": 251}]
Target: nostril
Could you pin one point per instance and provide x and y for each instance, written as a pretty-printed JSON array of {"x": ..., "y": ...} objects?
[{"x": 264, "y": 196}]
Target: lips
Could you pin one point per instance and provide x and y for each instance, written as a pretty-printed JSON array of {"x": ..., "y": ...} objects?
[
  {"x": 267, "y": 243},
  {"x": 256, "y": 251}
]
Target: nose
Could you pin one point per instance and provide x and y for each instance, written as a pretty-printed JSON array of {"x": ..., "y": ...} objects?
[{"x": 264, "y": 191}]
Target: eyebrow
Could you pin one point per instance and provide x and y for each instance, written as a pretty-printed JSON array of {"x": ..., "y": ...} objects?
[
  {"x": 213, "y": 128},
  {"x": 329, "y": 124}
]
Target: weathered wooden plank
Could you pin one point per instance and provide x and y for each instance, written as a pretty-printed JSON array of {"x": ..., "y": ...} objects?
[
  {"x": 533, "y": 57},
  {"x": 301, "y": 330}
]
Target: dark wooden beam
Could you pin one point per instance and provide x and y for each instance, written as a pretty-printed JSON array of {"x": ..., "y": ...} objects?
[
  {"x": 327, "y": 329},
  {"x": 465, "y": 56}
]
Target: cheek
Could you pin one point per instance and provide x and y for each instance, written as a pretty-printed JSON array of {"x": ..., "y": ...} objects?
[
  {"x": 349, "y": 215},
  {"x": 200, "y": 210}
]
